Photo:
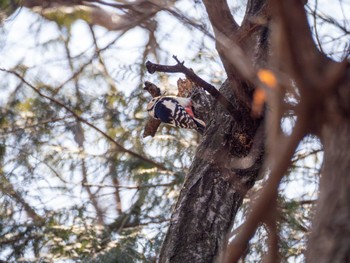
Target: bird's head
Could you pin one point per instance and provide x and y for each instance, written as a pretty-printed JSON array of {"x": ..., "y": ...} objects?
[{"x": 151, "y": 105}]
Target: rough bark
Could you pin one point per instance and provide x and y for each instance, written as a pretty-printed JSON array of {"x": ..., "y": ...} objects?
[
  {"x": 214, "y": 189},
  {"x": 330, "y": 237},
  {"x": 212, "y": 193},
  {"x": 324, "y": 91}
]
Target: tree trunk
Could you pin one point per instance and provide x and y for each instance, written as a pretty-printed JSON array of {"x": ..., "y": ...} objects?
[
  {"x": 215, "y": 186},
  {"x": 330, "y": 237},
  {"x": 212, "y": 192}
]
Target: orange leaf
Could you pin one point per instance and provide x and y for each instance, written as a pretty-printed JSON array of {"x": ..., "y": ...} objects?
[
  {"x": 259, "y": 98},
  {"x": 267, "y": 77}
]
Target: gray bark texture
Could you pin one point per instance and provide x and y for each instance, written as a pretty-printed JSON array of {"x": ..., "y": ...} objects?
[
  {"x": 214, "y": 188},
  {"x": 212, "y": 192},
  {"x": 330, "y": 237}
]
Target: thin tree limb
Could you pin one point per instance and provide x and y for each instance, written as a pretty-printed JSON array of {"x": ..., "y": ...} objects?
[
  {"x": 120, "y": 147},
  {"x": 226, "y": 31},
  {"x": 8, "y": 189},
  {"x": 137, "y": 187},
  {"x": 138, "y": 13},
  {"x": 180, "y": 68},
  {"x": 272, "y": 255},
  {"x": 220, "y": 11},
  {"x": 14, "y": 129},
  {"x": 297, "y": 47},
  {"x": 92, "y": 196},
  {"x": 269, "y": 193}
]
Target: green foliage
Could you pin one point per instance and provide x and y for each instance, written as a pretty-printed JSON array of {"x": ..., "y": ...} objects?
[
  {"x": 66, "y": 16},
  {"x": 68, "y": 192},
  {"x": 7, "y": 7}
]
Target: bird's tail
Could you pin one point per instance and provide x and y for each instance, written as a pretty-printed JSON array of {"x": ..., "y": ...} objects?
[{"x": 200, "y": 125}]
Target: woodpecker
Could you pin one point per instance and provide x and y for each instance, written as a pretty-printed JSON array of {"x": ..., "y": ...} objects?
[{"x": 175, "y": 111}]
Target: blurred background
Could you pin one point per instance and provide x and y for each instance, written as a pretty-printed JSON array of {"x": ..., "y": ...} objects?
[{"x": 78, "y": 182}]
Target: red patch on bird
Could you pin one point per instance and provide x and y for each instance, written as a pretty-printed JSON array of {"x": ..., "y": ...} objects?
[{"x": 189, "y": 111}]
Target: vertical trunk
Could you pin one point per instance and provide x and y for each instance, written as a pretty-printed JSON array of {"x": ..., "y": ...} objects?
[
  {"x": 212, "y": 192},
  {"x": 330, "y": 237},
  {"x": 216, "y": 184}
]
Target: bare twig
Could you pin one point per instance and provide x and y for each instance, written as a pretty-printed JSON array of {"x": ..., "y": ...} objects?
[
  {"x": 137, "y": 187},
  {"x": 180, "y": 68},
  {"x": 7, "y": 188},
  {"x": 15, "y": 129},
  {"x": 92, "y": 196},
  {"x": 120, "y": 147}
]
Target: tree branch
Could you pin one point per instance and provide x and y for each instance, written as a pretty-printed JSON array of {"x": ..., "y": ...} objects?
[
  {"x": 91, "y": 195},
  {"x": 295, "y": 46},
  {"x": 180, "y": 68},
  {"x": 120, "y": 147},
  {"x": 137, "y": 13},
  {"x": 226, "y": 30},
  {"x": 8, "y": 189},
  {"x": 269, "y": 193},
  {"x": 220, "y": 17},
  {"x": 254, "y": 8}
]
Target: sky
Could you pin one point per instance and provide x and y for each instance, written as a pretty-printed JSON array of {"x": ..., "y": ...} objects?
[{"x": 22, "y": 37}]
